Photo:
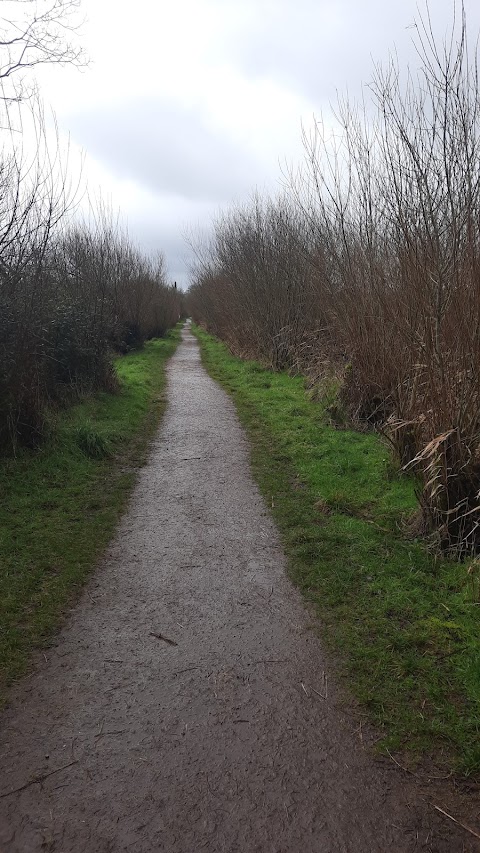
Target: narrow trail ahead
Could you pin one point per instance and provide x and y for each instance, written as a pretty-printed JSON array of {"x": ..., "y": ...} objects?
[{"x": 219, "y": 742}]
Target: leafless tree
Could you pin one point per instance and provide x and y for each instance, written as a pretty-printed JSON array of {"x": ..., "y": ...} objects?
[
  {"x": 388, "y": 201},
  {"x": 36, "y": 32},
  {"x": 396, "y": 204},
  {"x": 256, "y": 280}
]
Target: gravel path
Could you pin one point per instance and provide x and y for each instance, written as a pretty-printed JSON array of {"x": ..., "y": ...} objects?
[{"x": 216, "y": 740}]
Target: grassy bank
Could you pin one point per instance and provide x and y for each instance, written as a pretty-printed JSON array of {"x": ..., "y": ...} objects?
[
  {"x": 406, "y": 624},
  {"x": 59, "y": 505}
]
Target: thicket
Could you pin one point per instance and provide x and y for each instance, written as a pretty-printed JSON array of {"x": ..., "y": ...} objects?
[
  {"x": 256, "y": 287},
  {"x": 370, "y": 266},
  {"x": 71, "y": 295}
]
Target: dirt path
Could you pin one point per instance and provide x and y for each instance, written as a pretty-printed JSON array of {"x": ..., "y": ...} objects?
[{"x": 218, "y": 742}]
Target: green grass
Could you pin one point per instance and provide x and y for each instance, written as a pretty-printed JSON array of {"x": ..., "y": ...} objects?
[
  {"x": 405, "y": 623},
  {"x": 59, "y": 505}
]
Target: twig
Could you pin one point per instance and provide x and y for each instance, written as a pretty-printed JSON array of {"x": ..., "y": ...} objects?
[
  {"x": 463, "y": 825},
  {"x": 304, "y": 689},
  {"x": 116, "y": 732},
  {"x": 323, "y": 695},
  {"x": 188, "y": 669},
  {"x": 165, "y": 639},
  {"x": 39, "y": 778},
  {"x": 319, "y": 694},
  {"x": 405, "y": 769},
  {"x": 266, "y": 597},
  {"x": 416, "y": 775}
]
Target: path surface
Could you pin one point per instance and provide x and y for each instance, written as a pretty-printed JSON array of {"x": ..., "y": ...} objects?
[{"x": 211, "y": 744}]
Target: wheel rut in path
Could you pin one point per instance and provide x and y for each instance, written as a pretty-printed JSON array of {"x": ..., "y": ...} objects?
[{"x": 216, "y": 743}]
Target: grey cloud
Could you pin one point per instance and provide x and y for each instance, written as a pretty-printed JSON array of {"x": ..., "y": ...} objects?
[
  {"x": 319, "y": 48},
  {"x": 158, "y": 228},
  {"x": 152, "y": 239},
  {"x": 167, "y": 149}
]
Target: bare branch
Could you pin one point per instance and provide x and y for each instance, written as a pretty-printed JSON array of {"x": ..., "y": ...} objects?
[{"x": 37, "y": 32}]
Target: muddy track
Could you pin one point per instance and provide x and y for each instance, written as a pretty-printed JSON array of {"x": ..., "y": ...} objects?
[{"x": 188, "y": 704}]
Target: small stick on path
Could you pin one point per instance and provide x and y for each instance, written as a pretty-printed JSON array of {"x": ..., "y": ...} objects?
[
  {"x": 421, "y": 778},
  {"x": 39, "y": 778},
  {"x": 115, "y": 732},
  {"x": 323, "y": 695},
  {"x": 188, "y": 669},
  {"x": 458, "y": 822},
  {"x": 161, "y": 637}
]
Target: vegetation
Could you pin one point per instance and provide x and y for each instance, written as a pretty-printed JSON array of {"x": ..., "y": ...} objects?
[
  {"x": 71, "y": 294},
  {"x": 72, "y": 297},
  {"x": 74, "y": 418},
  {"x": 59, "y": 505},
  {"x": 405, "y": 621},
  {"x": 367, "y": 270},
  {"x": 69, "y": 299}
]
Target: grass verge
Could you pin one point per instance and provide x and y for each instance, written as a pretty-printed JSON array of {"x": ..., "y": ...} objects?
[
  {"x": 59, "y": 505},
  {"x": 406, "y": 624}
]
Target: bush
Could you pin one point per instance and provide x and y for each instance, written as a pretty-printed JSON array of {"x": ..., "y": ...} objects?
[{"x": 373, "y": 262}]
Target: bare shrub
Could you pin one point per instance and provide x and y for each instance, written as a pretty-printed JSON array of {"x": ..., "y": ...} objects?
[
  {"x": 69, "y": 296},
  {"x": 33, "y": 200},
  {"x": 374, "y": 263},
  {"x": 397, "y": 203},
  {"x": 255, "y": 288}
]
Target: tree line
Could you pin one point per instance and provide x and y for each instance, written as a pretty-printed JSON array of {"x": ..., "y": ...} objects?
[
  {"x": 72, "y": 294},
  {"x": 367, "y": 269}
]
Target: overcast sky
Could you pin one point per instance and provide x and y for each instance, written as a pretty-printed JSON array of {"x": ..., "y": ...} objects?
[{"x": 189, "y": 105}]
